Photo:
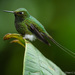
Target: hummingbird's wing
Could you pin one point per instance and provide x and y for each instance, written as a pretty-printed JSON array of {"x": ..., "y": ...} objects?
[
  {"x": 34, "y": 27},
  {"x": 38, "y": 34}
]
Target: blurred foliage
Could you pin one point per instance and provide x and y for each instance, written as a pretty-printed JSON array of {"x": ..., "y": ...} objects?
[{"x": 57, "y": 16}]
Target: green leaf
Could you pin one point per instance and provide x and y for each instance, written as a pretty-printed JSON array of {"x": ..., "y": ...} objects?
[{"x": 35, "y": 63}]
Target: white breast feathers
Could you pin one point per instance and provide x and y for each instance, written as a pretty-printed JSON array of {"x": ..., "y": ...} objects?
[{"x": 30, "y": 37}]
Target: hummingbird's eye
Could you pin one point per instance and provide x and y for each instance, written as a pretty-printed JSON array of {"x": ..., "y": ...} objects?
[{"x": 21, "y": 13}]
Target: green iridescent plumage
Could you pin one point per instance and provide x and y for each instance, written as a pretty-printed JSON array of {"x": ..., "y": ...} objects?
[
  {"x": 24, "y": 22},
  {"x": 28, "y": 20},
  {"x": 27, "y": 25}
]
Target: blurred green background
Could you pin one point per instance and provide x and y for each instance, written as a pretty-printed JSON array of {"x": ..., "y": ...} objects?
[{"x": 57, "y": 16}]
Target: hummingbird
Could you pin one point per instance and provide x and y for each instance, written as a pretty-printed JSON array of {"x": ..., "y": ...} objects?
[{"x": 30, "y": 28}]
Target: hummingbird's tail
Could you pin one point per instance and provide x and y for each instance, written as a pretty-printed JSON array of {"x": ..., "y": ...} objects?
[{"x": 61, "y": 47}]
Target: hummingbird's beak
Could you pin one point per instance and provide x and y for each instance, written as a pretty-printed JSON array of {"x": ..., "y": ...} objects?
[{"x": 8, "y": 11}]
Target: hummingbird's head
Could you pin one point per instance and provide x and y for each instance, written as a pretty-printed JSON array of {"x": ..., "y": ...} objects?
[{"x": 20, "y": 13}]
